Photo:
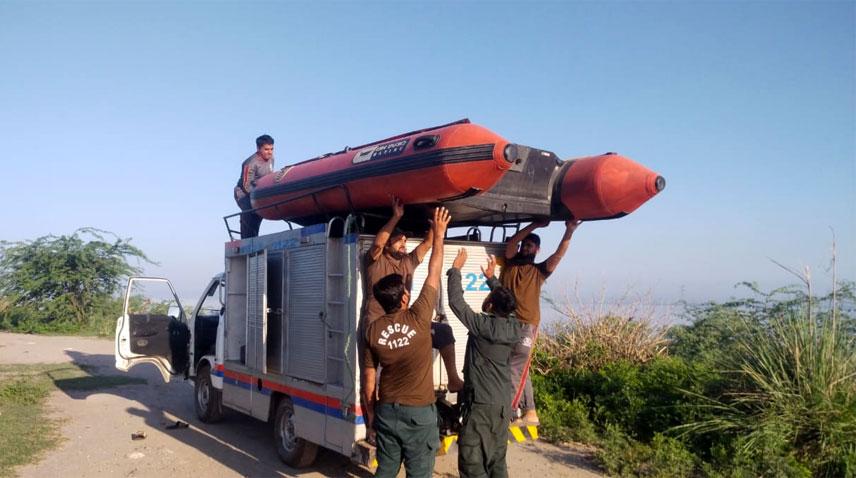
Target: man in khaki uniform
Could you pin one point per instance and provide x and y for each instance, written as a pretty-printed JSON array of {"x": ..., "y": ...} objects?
[
  {"x": 404, "y": 416},
  {"x": 388, "y": 255},
  {"x": 524, "y": 278}
]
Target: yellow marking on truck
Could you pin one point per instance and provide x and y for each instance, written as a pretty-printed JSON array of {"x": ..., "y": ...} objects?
[
  {"x": 517, "y": 434},
  {"x": 446, "y": 443},
  {"x": 533, "y": 431}
]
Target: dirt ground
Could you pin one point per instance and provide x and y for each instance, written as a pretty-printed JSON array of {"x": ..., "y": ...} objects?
[{"x": 98, "y": 425}]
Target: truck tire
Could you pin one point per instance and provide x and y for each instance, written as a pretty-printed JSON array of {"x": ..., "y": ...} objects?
[
  {"x": 293, "y": 450},
  {"x": 208, "y": 400}
]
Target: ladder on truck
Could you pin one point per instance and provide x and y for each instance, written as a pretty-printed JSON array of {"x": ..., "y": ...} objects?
[{"x": 336, "y": 308}]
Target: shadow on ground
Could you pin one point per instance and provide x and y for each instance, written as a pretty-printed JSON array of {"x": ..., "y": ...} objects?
[{"x": 239, "y": 442}]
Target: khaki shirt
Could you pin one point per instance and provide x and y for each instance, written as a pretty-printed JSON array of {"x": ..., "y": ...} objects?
[
  {"x": 524, "y": 279},
  {"x": 382, "y": 267},
  {"x": 401, "y": 343}
]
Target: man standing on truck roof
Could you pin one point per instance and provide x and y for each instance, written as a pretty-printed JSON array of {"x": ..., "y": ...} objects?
[
  {"x": 486, "y": 398},
  {"x": 388, "y": 255},
  {"x": 253, "y": 168},
  {"x": 404, "y": 417},
  {"x": 524, "y": 278}
]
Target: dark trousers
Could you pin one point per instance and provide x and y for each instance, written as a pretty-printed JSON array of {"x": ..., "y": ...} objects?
[
  {"x": 483, "y": 441},
  {"x": 441, "y": 335},
  {"x": 250, "y": 221},
  {"x": 408, "y": 434},
  {"x": 521, "y": 356}
]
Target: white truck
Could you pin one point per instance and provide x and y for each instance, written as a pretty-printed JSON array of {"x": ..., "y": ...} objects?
[{"x": 275, "y": 336}]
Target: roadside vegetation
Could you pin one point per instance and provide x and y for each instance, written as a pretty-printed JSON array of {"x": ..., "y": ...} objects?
[
  {"x": 763, "y": 386},
  {"x": 65, "y": 284},
  {"x": 27, "y": 428}
]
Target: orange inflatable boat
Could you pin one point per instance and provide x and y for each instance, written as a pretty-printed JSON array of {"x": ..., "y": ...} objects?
[{"x": 481, "y": 177}]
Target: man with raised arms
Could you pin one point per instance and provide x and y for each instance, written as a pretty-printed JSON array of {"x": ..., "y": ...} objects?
[
  {"x": 524, "y": 278},
  {"x": 486, "y": 398},
  {"x": 404, "y": 416},
  {"x": 388, "y": 255}
]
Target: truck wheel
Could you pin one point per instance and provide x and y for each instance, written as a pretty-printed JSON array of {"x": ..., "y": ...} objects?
[
  {"x": 209, "y": 400},
  {"x": 293, "y": 450}
]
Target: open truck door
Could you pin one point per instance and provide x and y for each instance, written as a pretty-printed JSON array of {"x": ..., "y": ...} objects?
[{"x": 151, "y": 330}]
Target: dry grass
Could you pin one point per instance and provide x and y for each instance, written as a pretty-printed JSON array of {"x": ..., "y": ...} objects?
[{"x": 594, "y": 333}]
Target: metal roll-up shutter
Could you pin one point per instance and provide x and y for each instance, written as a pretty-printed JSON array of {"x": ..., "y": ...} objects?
[
  {"x": 256, "y": 311},
  {"x": 306, "y": 335}
]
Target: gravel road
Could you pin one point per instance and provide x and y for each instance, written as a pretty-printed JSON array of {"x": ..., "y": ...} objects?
[{"x": 98, "y": 425}]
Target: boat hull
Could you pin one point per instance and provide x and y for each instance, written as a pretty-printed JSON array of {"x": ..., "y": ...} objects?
[
  {"x": 480, "y": 177},
  {"x": 426, "y": 166}
]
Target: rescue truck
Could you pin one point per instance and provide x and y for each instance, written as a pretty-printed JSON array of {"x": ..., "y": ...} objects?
[{"x": 275, "y": 336}]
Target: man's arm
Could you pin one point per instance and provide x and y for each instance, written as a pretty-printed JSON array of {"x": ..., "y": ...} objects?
[
  {"x": 511, "y": 246},
  {"x": 427, "y": 297},
  {"x": 368, "y": 382},
  {"x": 438, "y": 229},
  {"x": 368, "y": 392},
  {"x": 459, "y": 306},
  {"x": 489, "y": 273},
  {"x": 383, "y": 235},
  {"x": 553, "y": 261},
  {"x": 253, "y": 174},
  {"x": 245, "y": 177},
  {"x": 424, "y": 246}
]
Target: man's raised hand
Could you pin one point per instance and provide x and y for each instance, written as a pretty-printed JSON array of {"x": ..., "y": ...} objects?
[
  {"x": 441, "y": 221},
  {"x": 543, "y": 222},
  {"x": 488, "y": 269},
  {"x": 397, "y": 207},
  {"x": 460, "y": 259}
]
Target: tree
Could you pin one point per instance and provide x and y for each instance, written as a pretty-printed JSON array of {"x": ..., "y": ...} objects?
[{"x": 60, "y": 278}]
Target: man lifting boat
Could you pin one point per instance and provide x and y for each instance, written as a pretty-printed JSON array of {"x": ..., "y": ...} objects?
[
  {"x": 388, "y": 255},
  {"x": 524, "y": 278},
  {"x": 404, "y": 415},
  {"x": 253, "y": 168}
]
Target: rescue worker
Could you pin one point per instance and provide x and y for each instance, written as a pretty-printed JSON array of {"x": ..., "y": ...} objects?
[
  {"x": 486, "y": 398},
  {"x": 388, "y": 255},
  {"x": 404, "y": 415},
  {"x": 524, "y": 278},
  {"x": 253, "y": 168}
]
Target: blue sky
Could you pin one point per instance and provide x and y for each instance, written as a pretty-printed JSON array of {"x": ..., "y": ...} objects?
[{"x": 133, "y": 117}]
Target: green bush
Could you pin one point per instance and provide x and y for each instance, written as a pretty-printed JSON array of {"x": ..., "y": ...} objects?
[
  {"x": 101, "y": 320},
  {"x": 619, "y": 455},
  {"x": 664, "y": 457},
  {"x": 670, "y": 457},
  {"x": 712, "y": 332},
  {"x": 764, "y": 386},
  {"x": 787, "y": 403},
  {"x": 562, "y": 420},
  {"x": 639, "y": 399},
  {"x": 65, "y": 284}
]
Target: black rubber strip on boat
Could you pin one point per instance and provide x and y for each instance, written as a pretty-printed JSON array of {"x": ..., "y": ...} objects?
[{"x": 461, "y": 154}]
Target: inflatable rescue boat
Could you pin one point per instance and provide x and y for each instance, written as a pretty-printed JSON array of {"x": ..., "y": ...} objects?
[{"x": 478, "y": 175}]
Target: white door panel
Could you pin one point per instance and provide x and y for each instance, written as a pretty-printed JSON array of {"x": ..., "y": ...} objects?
[{"x": 147, "y": 333}]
